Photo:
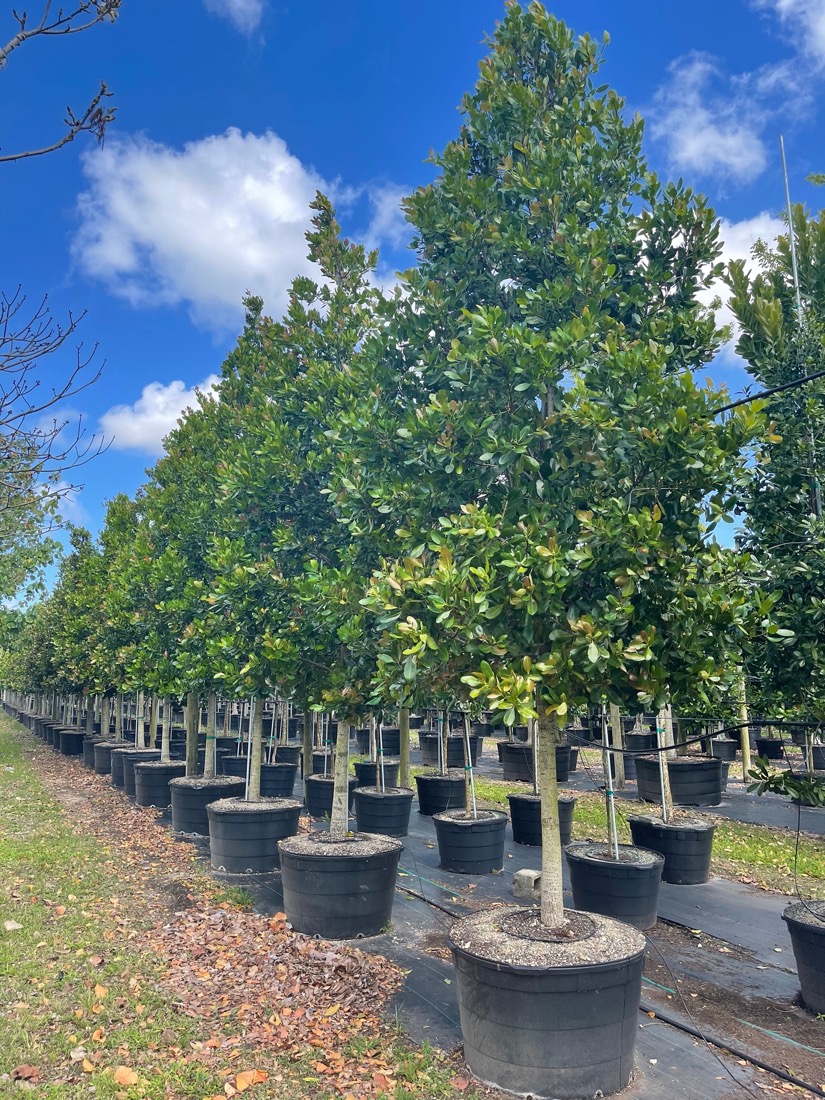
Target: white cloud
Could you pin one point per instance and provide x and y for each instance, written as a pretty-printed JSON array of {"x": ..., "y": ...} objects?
[
  {"x": 712, "y": 123},
  {"x": 738, "y": 239},
  {"x": 200, "y": 225},
  {"x": 143, "y": 425},
  {"x": 245, "y": 14},
  {"x": 805, "y": 22},
  {"x": 704, "y": 131},
  {"x": 388, "y": 223}
]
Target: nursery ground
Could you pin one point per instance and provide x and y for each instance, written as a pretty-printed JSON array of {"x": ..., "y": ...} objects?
[
  {"x": 179, "y": 931},
  {"x": 127, "y": 971}
]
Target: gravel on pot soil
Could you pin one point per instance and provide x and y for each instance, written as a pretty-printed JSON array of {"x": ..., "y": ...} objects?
[
  {"x": 199, "y": 781},
  {"x": 355, "y": 844},
  {"x": 465, "y": 817},
  {"x": 256, "y": 804},
  {"x": 679, "y": 819},
  {"x": 387, "y": 790},
  {"x": 807, "y": 912},
  {"x": 639, "y": 857},
  {"x": 516, "y": 937},
  {"x": 451, "y": 773},
  {"x": 161, "y": 764}
]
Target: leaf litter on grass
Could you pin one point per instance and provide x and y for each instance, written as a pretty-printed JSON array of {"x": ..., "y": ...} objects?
[{"x": 273, "y": 1006}]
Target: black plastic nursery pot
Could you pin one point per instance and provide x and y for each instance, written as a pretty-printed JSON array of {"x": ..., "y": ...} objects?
[
  {"x": 89, "y": 751},
  {"x": 525, "y": 817},
  {"x": 391, "y": 740},
  {"x": 277, "y": 780},
  {"x": 103, "y": 756},
  {"x": 640, "y": 742},
  {"x": 770, "y": 748},
  {"x": 725, "y": 748},
  {"x": 686, "y": 846},
  {"x": 116, "y": 764},
  {"x": 694, "y": 780},
  {"x": 540, "y": 1018},
  {"x": 518, "y": 763},
  {"x": 428, "y": 743},
  {"x": 470, "y": 845},
  {"x": 119, "y": 758},
  {"x": 287, "y": 754},
  {"x": 318, "y": 791},
  {"x": 573, "y": 760},
  {"x": 71, "y": 742},
  {"x": 136, "y": 756},
  {"x": 152, "y": 779},
  {"x": 322, "y": 762},
  {"x": 191, "y": 794},
  {"x": 627, "y": 889},
  {"x": 362, "y": 741},
  {"x": 806, "y": 924},
  {"x": 384, "y": 812},
  {"x": 367, "y": 773},
  {"x": 437, "y": 793},
  {"x": 243, "y": 836},
  {"x": 339, "y": 889}
]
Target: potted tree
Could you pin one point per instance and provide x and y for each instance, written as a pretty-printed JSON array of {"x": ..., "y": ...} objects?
[
  {"x": 470, "y": 840},
  {"x": 288, "y": 577},
  {"x": 541, "y": 479},
  {"x": 380, "y": 805},
  {"x": 617, "y": 880}
]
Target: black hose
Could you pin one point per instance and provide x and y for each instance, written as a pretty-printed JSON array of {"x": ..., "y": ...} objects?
[{"x": 671, "y": 1021}]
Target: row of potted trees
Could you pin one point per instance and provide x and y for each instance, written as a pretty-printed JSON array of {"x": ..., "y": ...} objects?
[{"x": 497, "y": 486}]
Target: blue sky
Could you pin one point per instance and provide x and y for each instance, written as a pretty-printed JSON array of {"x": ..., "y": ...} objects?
[{"x": 230, "y": 113}]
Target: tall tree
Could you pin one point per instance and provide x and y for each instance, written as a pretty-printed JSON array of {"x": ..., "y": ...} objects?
[
  {"x": 288, "y": 578},
  {"x": 782, "y": 339},
  {"x": 546, "y": 471}
]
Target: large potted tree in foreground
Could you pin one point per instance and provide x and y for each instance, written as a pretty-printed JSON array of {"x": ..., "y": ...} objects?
[{"x": 553, "y": 479}]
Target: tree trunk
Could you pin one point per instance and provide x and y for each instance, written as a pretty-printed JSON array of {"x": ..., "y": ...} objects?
[
  {"x": 306, "y": 748},
  {"x": 745, "y": 739},
  {"x": 211, "y": 733},
  {"x": 664, "y": 738},
  {"x": 140, "y": 725},
  {"x": 617, "y": 727},
  {"x": 155, "y": 719},
  {"x": 118, "y": 701},
  {"x": 469, "y": 789},
  {"x": 166, "y": 731},
  {"x": 339, "y": 819},
  {"x": 552, "y": 898},
  {"x": 253, "y": 788},
  {"x": 105, "y": 716},
  {"x": 373, "y": 754},
  {"x": 404, "y": 747},
  {"x": 192, "y": 723}
]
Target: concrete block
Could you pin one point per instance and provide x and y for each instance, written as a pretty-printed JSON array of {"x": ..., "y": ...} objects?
[{"x": 527, "y": 884}]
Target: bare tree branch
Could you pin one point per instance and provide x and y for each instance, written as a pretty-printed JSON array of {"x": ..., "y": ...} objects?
[
  {"x": 97, "y": 115},
  {"x": 62, "y": 23},
  {"x": 94, "y": 120},
  {"x": 35, "y": 453}
]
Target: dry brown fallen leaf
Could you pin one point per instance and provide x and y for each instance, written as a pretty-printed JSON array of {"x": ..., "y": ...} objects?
[
  {"x": 125, "y": 1076},
  {"x": 25, "y": 1073}
]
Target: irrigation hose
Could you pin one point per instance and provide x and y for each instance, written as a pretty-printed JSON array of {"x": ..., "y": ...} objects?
[{"x": 671, "y": 1021}]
